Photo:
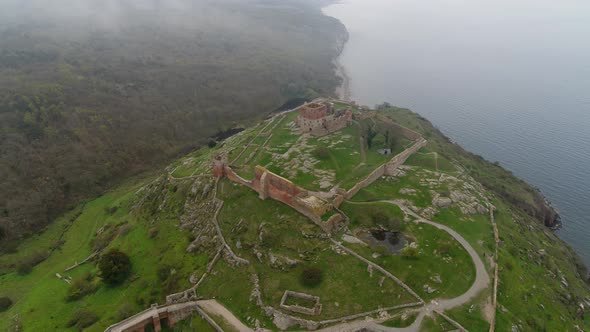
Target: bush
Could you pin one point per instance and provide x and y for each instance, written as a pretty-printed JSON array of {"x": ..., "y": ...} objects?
[
  {"x": 125, "y": 310},
  {"x": 380, "y": 218},
  {"x": 5, "y": 303},
  {"x": 24, "y": 268},
  {"x": 114, "y": 267},
  {"x": 27, "y": 264},
  {"x": 322, "y": 152},
  {"x": 81, "y": 287},
  {"x": 153, "y": 232},
  {"x": 410, "y": 251},
  {"x": 312, "y": 276},
  {"x": 82, "y": 319},
  {"x": 124, "y": 230}
]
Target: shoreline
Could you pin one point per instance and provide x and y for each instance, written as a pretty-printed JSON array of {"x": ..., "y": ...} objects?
[
  {"x": 552, "y": 220},
  {"x": 342, "y": 91}
]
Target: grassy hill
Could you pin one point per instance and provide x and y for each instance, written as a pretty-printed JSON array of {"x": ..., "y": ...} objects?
[{"x": 164, "y": 222}]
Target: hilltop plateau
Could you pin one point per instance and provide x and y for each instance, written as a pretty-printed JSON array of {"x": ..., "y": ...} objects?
[{"x": 329, "y": 216}]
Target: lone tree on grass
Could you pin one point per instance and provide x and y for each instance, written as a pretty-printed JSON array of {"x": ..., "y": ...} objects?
[
  {"x": 312, "y": 276},
  {"x": 114, "y": 266},
  {"x": 5, "y": 303}
]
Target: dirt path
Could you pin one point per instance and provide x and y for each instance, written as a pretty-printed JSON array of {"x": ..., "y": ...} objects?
[
  {"x": 481, "y": 282},
  {"x": 482, "y": 279},
  {"x": 214, "y": 308}
]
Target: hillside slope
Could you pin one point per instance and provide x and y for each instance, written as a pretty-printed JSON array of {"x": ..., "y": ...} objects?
[
  {"x": 90, "y": 94},
  {"x": 421, "y": 232}
]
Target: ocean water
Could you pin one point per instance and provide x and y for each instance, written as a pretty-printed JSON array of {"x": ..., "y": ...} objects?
[{"x": 506, "y": 79}]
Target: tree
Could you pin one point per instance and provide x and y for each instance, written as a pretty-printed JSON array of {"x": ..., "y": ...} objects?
[
  {"x": 114, "y": 266},
  {"x": 380, "y": 218},
  {"x": 5, "y": 303},
  {"x": 312, "y": 276},
  {"x": 371, "y": 133}
]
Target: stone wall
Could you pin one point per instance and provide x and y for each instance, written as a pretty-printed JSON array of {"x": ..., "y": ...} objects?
[
  {"x": 407, "y": 132},
  {"x": 270, "y": 185},
  {"x": 387, "y": 168},
  {"x": 315, "y": 310}
]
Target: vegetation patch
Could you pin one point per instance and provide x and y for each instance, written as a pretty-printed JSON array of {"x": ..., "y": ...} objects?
[
  {"x": 115, "y": 266},
  {"x": 312, "y": 277},
  {"x": 5, "y": 303}
]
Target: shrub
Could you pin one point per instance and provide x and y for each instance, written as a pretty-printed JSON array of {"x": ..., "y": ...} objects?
[
  {"x": 380, "y": 218},
  {"x": 5, "y": 303},
  {"x": 153, "y": 232},
  {"x": 410, "y": 251},
  {"x": 322, "y": 152},
  {"x": 114, "y": 266},
  {"x": 124, "y": 230},
  {"x": 27, "y": 264},
  {"x": 82, "y": 319},
  {"x": 24, "y": 268},
  {"x": 112, "y": 210},
  {"x": 125, "y": 310},
  {"x": 312, "y": 276},
  {"x": 81, "y": 287}
]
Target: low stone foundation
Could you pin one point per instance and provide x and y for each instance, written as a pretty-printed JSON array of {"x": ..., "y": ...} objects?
[{"x": 316, "y": 310}]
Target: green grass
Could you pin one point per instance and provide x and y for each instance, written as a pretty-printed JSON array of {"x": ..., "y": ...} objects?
[
  {"x": 431, "y": 160},
  {"x": 398, "y": 321},
  {"x": 388, "y": 188},
  {"x": 283, "y": 237},
  {"x": 195, "y": 323},
  {"x": 40, "y": 297},
  {"x": 362, "y": 215},
  {"x": 436, "y": 323},
  {"x": 417, "y": 271},
  {"x": 471, "y": 315},
  {"x": 530, "y": 279}
]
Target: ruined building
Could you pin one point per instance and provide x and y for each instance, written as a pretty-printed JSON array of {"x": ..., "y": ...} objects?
[
  {"x": 320, "y": 118},
  {"x": 270, "y": 185}
]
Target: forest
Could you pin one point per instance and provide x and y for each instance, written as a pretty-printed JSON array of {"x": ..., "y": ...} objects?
[{"x": 93, "y": 92}]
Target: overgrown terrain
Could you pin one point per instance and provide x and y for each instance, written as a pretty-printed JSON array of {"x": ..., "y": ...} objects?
[
  {"x": 93, "y": 93},
  {"x": 165, "y": 223}
]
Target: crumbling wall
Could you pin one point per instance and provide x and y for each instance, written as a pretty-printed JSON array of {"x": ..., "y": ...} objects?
[
  {"x": 376, "y": 174},
  {"x": 388, "y": 168},
  {"x": 315, "y": 310}
]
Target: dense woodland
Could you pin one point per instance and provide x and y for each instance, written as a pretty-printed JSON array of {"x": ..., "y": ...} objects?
[{"x": 93, "y": 91}]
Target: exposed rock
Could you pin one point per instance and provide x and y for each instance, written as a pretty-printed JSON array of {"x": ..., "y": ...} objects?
[
  {"x": 352, "y": 239},
  {"x": 429, "y": 289},
  {"x": 407, "y": 191},
  {"x": 442, "y": 202},
  {"x": 436, "y": 278}
]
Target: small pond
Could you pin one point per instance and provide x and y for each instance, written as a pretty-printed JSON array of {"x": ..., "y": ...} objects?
[{"x": 394, "y": 242}]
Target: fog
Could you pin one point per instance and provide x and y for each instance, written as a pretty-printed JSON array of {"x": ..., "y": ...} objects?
[{"x": 118, "y": 14}]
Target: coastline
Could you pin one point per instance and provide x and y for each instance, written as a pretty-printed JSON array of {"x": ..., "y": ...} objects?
[
  {"x": 547, "y": 213},
  {"x": 342, "y": 91}
]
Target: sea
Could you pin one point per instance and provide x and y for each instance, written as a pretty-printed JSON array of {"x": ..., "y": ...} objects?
[{"x": 507, "y": 79}]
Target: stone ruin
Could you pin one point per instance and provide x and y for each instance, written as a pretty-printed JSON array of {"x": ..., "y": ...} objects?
[
  {"x": 270, "y": 185},
  {"x": 314, "y": 311},
  {"x": 320, "y": 118}
]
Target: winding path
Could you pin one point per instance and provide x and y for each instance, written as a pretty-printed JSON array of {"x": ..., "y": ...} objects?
[{"x": 437, "y": 306}]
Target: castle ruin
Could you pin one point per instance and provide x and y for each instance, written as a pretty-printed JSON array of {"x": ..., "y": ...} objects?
[
  {"x": 320, "y": 118},
  {"x": 270, "y": 185}
]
